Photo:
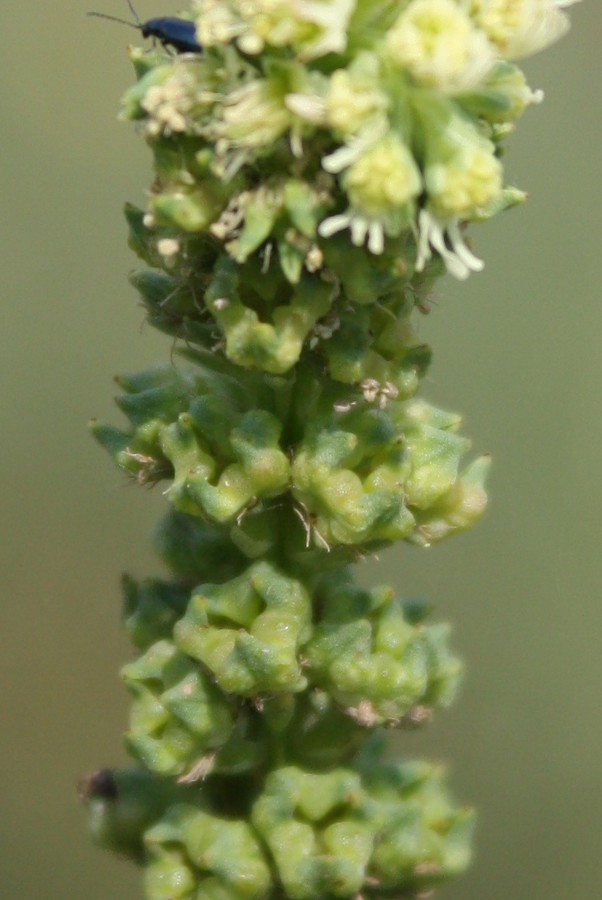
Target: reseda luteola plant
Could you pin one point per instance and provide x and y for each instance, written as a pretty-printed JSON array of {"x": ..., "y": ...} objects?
[{"x": 315, "y": 169}]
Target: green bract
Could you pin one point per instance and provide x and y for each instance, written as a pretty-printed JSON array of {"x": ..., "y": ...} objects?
[{"x": 315, "y": 170}]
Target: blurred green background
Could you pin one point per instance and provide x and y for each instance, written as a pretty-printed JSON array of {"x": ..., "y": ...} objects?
[{"x": 517, "y": 351}]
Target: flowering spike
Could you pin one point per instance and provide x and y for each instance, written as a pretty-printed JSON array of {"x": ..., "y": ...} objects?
[{"x": 316, "y": 168}]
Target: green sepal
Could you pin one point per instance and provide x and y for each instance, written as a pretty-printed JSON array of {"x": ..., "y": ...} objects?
[
  {"x": 508, "y": 199},
  {"x": 112, "y": 439},
  {"x": 151, "y": 608},
  {"x": 304, "y": 206},
  {"x": 158, "y": 393},
  {"x": 487, "y": 103},
  {"x": 291, "y": 260},
  {"x": 195, "y": 550},
  {"x": 260, "y": 214},
  {"x": 141, "y": 239}
]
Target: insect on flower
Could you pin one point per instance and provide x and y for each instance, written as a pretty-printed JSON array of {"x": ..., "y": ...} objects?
[{"x": 168, "y": 30}]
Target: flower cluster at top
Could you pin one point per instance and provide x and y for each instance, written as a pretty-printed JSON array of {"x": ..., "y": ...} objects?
[{"x": 301, "y": 119}]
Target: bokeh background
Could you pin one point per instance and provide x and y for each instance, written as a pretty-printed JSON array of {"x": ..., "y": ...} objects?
[{"x": 517, "y": 351}]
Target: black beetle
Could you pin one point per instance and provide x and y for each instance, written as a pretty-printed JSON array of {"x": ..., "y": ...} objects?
[{"x": 169, "y": 31}]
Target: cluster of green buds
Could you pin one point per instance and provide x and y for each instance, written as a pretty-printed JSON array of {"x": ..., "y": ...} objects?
[{"x": 316, "y": 166}]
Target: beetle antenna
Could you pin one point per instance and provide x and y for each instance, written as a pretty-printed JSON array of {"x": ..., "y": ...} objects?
[
  {"x": 113, "y": 19},
  {"x": 134, "y": 13}
]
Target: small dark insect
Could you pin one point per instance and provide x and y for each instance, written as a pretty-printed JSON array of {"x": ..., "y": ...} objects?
[{"x": 168, "y": 30}]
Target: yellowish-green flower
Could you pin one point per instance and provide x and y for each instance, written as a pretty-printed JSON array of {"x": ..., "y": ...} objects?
[
  {"x": 253, "y": 115},
  {"x": 520, "y": 28},
  {"x": 311, "y": 27},
  {"x": 383, "y": 179},
  {"x": 381, "y": 185},
  {"x": 438, "y": 43},
  {"x": 251, "y": 118},
  {"x": 354, "y": 96},
  {"x": 462, "y": 174},
  {"x": 463, "y": 178},
  {"x": 170, "y": 105},
  {"x": 217, "y": 22},
  {"x": 328, "y": 20}
]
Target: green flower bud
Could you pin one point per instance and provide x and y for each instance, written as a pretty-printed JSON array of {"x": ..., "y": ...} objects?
[
  {"x": 376, "y": 659},
  {"x": 355, "y": 96},
  {"x": 312, "y": 30},
  {"x": 172, "y": 308},
  {"x": 459, "y": 508},
  {"x": 151, "y": 608},
  {"x": 438, "y": 44},
  {"x": 520, "y": 28},
  {"x": 190, "y": 210},
  {"x": 248, "y": 631},
  {"x": 392, "y": 830},
  {"x": 169, "y": 876},
  {"x": 206, "y": 429},
  {"x": 373, "y": 345},
  {"x": 262, "y": 469},
  {"x": 274, "y": 346},
  {"x": 194, "y": 854},
  {"x": 408, "y": 457},
  {"x": 366, "y": 279},
  {"x": 435, "y": 451},
  {"x": 178, "y": 715},
  {"x": 422, "y": 840},
  {"x": 504, "y": 96},
  {"x": 319, "y": 843}
]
